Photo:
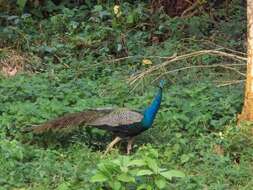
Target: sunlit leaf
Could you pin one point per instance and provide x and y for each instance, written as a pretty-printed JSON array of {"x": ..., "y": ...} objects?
[
  {"x": 144, "y": 172},
  {"x": 152, "y": 164},
  {"x": 160, "y": 183},
  {"x": 126, "y": 178},
  {"x": 99, "y": 177},
  {"x": 115, "y": 185},
  {"x": 172, "y": 173},
  {"x": 137, "y": 163}
]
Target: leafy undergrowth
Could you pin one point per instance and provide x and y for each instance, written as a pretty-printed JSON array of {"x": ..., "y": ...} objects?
[{"x": 72, "y": 64}]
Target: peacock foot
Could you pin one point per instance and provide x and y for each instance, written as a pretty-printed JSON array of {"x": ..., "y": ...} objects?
[
  {"x": 111, "y": 145},
  {"x": 129, "y": 145}
]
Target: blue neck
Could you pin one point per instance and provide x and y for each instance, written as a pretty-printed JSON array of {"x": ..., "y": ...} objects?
[{"x": 150, "y": 112}]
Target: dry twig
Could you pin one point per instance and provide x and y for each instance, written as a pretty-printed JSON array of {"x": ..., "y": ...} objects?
[
  {"x": 227, "y": 83},
  {"x": 154, "y": 68}
]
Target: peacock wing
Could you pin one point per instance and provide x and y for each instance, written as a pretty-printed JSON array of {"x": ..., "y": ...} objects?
[
  {"x": 118, "y": 117},
  {"x": 68, "y": 121}
]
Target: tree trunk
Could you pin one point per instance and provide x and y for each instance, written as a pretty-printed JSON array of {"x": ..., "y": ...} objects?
[{"x": 247, "y": 111}]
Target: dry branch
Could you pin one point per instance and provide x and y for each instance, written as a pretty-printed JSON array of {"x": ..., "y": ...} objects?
[
  {"x": 228, "y": 83},
  {"x": 172, "y": 59},
  {"x": 207, "y": 66}
]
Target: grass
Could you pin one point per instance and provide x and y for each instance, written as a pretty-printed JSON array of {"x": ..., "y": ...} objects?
[{"x": 74, "y": 68}]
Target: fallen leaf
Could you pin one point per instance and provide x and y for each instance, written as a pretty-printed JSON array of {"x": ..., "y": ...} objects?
[{"x": 146, "y": 62}]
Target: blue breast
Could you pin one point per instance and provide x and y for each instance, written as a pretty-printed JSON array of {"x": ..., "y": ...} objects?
[{"x": 151, "y": 111}]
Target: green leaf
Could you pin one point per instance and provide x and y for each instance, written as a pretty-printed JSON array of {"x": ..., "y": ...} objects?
[
  {"x": 160, "y": 183},
  {"x": 153, "y": 152},
  {"x": 98, "y": 8},
  {"x": 144, "y": 172},
  {"x": 63, "y": 186},
  {"x": 185, "y": 158},
  {"x": 116, "y": 162},
  {"x": 152, "y": 164},
  {"x": 172, "y": 173},
  {"x": 130, "y": 19},
  {"x": 144, "y": 187},
  {"x": 126, "y": 178},
  {"x": 137, "y": 163},
  {"x": 115, "y": 185},
  {"x": 99, "y": 177},
  {"x": 21, "y": 4}
]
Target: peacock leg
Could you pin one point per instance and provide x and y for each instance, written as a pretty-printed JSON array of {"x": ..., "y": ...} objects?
[
  {"x": 129, "y": 145},
  {"x": 109, "y": 147}
]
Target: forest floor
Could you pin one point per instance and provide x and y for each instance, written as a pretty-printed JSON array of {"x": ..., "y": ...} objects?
[{"x": 90, "y": 57}]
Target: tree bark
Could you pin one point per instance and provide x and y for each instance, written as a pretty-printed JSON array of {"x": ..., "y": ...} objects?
[{"x": 247, "y": 111}]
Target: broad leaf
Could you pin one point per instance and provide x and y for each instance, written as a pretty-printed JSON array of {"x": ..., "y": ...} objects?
[
  {"x": 126, "y": 178},
  {"x": 130, "y": 19},
  {"x": 21, "y": 4},
  {"x": 185, "y": 158},
  {"x": 144, "y": 187},
  {"x": 144, "y": 172},
  {"x": 160, "y": 183},
  {"x": 137, "y": 163},
  {"x": 115, "y": 185},
  {"x": 152, "y": 164},
  {"x": 172, "y": 173},
  {"x": 99, "y": 177}
]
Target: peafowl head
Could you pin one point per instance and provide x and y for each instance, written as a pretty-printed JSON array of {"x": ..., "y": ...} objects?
[
  {"x": 151, "y": 111},
  {"x": 161, "y": 83}
]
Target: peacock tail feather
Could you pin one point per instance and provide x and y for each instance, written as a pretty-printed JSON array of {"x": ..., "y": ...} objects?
[
  {"x": 100, "y": 118},
  {"x": 68, "y": 121}
]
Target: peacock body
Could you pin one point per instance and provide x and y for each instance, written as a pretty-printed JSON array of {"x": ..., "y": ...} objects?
[{"x": 122, "y": 122}]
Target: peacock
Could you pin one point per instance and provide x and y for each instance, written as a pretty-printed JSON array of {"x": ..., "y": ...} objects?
[{"x": 124, "y": 123}]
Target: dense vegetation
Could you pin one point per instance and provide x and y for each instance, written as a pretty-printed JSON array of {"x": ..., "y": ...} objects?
[{"x": 82, "y": 57}]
